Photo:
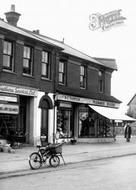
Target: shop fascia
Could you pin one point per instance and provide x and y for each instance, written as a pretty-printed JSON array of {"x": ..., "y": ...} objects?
[
  {"x": 11, "y": 89},
  {"x": 8, "y": 97},
  {"x": 76, "y": 99}
]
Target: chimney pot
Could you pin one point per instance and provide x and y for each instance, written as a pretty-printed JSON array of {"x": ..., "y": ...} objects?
[
  {"x": 12, "y": 16},
  {"x": 36, "y": 31},
  {"x": 13, "y": 8}
]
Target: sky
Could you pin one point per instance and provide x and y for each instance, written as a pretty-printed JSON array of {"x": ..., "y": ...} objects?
[{"x": 69, "y": 19}]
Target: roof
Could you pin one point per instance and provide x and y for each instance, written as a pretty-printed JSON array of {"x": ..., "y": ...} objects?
[
  {"x": 22, "y": 32},
  {"x": 67, "y": 49},
  {"x": 47, "y": 40},
  {"x": 132, "y": 99},
  {"x": 111, "y": 63}
]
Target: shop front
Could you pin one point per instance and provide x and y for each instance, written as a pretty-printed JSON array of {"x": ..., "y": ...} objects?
[
  {"x": 65, "y": 116},
  {"x": 87, "y": 120},
  {"x": 16, "y": 113}
]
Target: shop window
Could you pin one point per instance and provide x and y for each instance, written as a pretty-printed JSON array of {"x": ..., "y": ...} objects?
[
  {"x": 65, "y": 123},
  {"x": 105, "y": 127},
  {"x": 45, "y": 70},
  {"x": 27, "y": 60},
  {"x": 82, "y": 76},
  {"x": 8, "y": 56},
  {"x": 92, "y": 124},
  {"x": 8, "y": 125},
  {"x": 62, "y": 73},
  {"x": 83, "y": 121}
]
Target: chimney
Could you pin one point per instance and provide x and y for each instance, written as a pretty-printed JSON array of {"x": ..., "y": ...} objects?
[
  {"x": 12, "y": 16},
  {"x": 36, "y": 31}
]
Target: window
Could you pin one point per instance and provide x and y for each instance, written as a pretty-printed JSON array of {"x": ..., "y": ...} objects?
[
  {"x": 8, "y": 55},
  {"x": 61, "y": 72},
  {"x": 27, "y": 60},
  {"x": 101, "y": 81},
  {"x": 65, "y": 122},
  {"x": 82, "y": 76},
  {"x": 45, "y": 64}
]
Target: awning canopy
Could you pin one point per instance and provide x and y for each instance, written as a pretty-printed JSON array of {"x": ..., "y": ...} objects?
[{"x": 111, "y": 113}]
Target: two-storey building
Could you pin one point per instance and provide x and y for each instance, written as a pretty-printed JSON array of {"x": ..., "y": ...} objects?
[
  {"x": 47, "y": 85},
  {"x": 26, "y": 82}
]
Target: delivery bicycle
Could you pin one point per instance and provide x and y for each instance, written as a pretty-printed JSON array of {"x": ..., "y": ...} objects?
[{"x": 51, "y": 153}]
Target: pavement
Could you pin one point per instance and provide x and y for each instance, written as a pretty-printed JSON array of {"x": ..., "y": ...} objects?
[{"x": 16, "y": 164}]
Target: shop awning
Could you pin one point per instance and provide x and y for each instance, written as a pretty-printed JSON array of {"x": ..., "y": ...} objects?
[{"x": 112, "y": 113}]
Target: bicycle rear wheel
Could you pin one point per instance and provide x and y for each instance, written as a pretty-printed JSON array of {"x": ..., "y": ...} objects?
[
  {"x": 54, "y": 161},
  {"x": 35, "y": 161}
]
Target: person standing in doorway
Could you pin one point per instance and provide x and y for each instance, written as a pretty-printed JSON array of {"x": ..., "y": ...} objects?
[{"x": 128, "y": 132}]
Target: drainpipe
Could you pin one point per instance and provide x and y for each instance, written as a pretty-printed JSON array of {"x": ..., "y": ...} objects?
[
  {"x": 54, "y": 95},
  {"x": 54, "y": 130}
]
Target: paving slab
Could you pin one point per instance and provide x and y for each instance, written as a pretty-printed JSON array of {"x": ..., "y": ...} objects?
[{"x": 12, "y": 164}]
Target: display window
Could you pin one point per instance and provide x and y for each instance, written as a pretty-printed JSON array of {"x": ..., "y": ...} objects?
[
  {"x": 65, "y": 123},
  {"x": 91, "y": 124}
]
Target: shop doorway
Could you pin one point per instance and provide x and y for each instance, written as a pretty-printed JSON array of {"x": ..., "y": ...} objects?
[
  {"x": 44, "y": 124},
  {"x": 45, "y": 104},
  {"x": 21, "y": 129}
]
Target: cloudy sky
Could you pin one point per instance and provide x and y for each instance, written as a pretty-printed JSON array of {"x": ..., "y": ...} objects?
[{"x": 69, "y": 19}]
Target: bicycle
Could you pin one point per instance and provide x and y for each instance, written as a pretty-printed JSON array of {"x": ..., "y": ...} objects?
[{"x": 51, "y": 152}]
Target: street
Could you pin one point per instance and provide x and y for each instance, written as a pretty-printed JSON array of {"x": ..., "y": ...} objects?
[{"x": 107, "y": 174}]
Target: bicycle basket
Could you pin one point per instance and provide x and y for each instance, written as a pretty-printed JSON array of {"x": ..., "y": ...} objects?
[{"x": 56, "y": 149}]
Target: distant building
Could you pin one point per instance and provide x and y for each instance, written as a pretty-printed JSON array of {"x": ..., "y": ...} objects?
[
  {"x": 46, "y": 85},
  {"x": 132, "y": 107}
]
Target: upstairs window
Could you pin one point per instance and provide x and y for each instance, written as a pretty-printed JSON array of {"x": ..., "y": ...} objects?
[
  {"x": 82, "y": 76},
  {"x": 27, "y": 60},
  {"x": 8, "y": 55},
  {"x": 101, "y": 81},
  {"x": 62, "y": 73},
  {"x": 45, "y": 69}
]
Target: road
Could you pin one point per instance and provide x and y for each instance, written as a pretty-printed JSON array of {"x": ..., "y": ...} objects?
[{"x": 107, "y": 174}]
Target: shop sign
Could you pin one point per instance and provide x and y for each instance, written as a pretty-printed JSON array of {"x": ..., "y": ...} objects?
[
  {"x": 5, "y": 97},
  {"x": 9, "y": 108},
  {"x": 65, "y": 105},
  {"x": 18, "y": 90},
  {"x": 86, "y": 101}
]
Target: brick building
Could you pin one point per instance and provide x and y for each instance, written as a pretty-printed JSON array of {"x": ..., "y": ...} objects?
[{"x": 47, "y": 85}]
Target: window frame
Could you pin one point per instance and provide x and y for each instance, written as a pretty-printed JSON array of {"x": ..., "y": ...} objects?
[
  {"x": 9, "y": 55},
  {"x": 101, "y": 81},
  {"x": 45, "y": 63},
  {"x": 28, "y": 56},
  {"x": 62, "y": 72},
  {"x": 83, "y": 76}
]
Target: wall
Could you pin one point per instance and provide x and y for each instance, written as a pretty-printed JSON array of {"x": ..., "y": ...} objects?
[
  {"x": 92, "y": 85},
  {"x": 92, "y": 82},
  {"x": 17, "y": 77},
  {"x": 73, "y": 75},
  {"x": 107, "y": 83}
]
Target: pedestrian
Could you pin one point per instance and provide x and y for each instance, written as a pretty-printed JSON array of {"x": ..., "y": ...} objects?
[
  {"x": 59, "y": 135},
  {"x": 128, "y": 132}
]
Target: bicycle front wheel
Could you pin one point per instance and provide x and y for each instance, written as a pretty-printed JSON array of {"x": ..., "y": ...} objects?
[
  {"x": 35, "y": 161},
  {"x": 54, "y": 161}
]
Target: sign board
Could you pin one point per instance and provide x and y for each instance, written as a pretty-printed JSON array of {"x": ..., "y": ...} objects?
[
  {"x": 65, "y": 104},
  {"x": 18, "y": 90},
  {"x": 9, "y": 108},
  {"x": 8, "y": 98},
  {"x": 86, "y": 101}
]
